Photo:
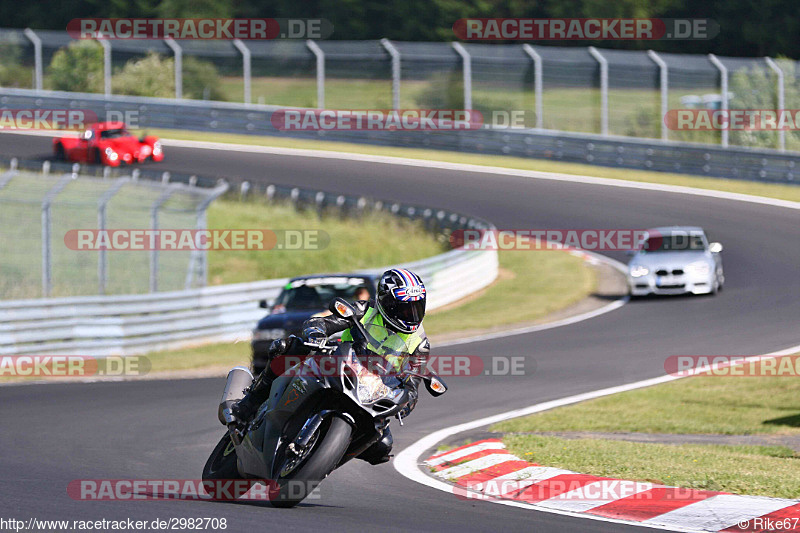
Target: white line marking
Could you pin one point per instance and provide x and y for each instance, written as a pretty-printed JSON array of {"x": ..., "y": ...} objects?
[
  {"x": 458, "y": 454},
  {"x": 407, "y": 461},
  {"x": 719, "y": 512},
  {"x": 463, "y": 167}
]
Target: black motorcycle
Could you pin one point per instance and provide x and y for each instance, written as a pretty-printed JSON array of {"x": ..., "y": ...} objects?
[{"x": 321, "y": 413}]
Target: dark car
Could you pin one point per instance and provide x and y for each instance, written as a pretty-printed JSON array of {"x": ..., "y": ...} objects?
[{"x": 302, "y": 298}]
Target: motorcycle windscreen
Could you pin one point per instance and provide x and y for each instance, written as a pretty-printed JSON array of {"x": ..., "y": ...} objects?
[{"x": 393, "y": 347}]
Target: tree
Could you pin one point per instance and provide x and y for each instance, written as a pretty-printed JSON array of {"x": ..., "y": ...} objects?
[{"x": 78, "y": 68}]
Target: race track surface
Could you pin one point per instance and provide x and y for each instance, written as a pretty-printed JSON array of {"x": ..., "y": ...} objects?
[{"x": 165, "y": 429}]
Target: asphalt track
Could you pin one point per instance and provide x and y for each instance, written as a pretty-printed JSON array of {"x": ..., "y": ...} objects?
[{"x": 54, "y": 434}]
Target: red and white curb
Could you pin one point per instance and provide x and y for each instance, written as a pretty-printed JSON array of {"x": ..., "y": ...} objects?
[{"x": 487, "y": 470}]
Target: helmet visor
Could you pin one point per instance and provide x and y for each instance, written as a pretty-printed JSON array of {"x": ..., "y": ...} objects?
[{"x": 409, "y": 312}]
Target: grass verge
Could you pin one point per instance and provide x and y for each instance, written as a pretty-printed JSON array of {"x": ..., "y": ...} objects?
[
  {"x": 723, "y": 405},
  {"x": 769, "y": 190},
  {"x": 350, "y": 247}
]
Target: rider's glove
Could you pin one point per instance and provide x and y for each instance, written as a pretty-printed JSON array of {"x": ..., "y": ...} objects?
[{"x": 315, "y": 335}]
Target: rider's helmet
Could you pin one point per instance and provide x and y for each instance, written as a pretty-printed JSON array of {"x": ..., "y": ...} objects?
[{"x": 401, "y": 299}]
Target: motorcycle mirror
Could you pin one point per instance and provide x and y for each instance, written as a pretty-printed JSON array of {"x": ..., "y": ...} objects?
[
  {"x": 341, "y": 308},
  {"x": 435, "y": 386}
]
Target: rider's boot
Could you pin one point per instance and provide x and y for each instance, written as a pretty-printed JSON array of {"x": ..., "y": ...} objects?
[
  {"x": 257, "y": 394},
  {"x": 380, "y": 452}
]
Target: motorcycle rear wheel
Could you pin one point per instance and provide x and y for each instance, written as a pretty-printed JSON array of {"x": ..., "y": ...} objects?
[{"x": 328, "y": 448}]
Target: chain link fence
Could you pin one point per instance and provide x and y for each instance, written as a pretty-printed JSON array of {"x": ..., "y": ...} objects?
[
  {"x": 38, "y": 210},
  {"x": 571, "y": 89}
]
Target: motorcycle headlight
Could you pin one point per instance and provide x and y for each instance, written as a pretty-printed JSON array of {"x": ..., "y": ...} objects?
[
  {"x": 700, "y": 267},
  {"x": 637, "y": 271},
  {"x": 268, "y": 334},
  {"x": 371, "y": 388}
]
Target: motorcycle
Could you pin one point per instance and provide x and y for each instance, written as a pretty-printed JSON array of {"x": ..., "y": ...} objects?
[{"x": 321, "y": 413}]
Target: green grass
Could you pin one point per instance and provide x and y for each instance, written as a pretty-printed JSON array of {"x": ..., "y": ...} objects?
[
  {"x": 727, "y": 405},
  {"x": 769, "y": 190},
  {"x": 754, "y": 470},
  {"x": 354, "y": 244},
  {"x": 222, "y": 355},
  {"x": 531, "y": 286}
]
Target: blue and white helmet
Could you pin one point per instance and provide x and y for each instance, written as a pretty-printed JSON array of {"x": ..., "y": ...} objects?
[{"x": 401, "y": 299}]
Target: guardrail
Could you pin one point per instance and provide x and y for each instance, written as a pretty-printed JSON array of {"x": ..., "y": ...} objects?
[
  {"x": 131, "y": 324},
  {"x": 613, "y": 151},
  {"x": 125, "y": 325}
]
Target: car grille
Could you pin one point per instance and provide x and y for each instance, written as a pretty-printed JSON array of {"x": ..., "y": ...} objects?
[{"x": 665, "y": 272}]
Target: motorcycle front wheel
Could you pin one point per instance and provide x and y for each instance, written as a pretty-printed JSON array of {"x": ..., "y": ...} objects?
[
  {"x": 221, "y": 465},
  {"x": 301, "y": 474}
]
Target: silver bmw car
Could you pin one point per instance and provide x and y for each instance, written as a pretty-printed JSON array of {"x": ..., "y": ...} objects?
[{"x": 675, "y": 260}]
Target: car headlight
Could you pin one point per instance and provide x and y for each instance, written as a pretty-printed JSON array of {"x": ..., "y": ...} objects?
[
  {"x": 268, "y": 334},
  {"x": 700, "y": 267},
  {"x": 637, "y": 271},
  {"x": 111, "y": 154},
  {"x": 156, "y": 148}
]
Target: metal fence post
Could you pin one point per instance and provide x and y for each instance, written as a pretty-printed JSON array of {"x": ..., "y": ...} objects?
[
  {"x": 37, "y": 51},
  {"x": 156, "y": 241},
  {"x": 245, "y": 68},
  {"x": 467, "y": 66},
  {"x": 664, "y": 88},
  {"x": 723, "y": 72},
  {"x": 781, "y": 99},
  {"x": 537, "y": 82},
  {"x": 102, "y": 259},
  {"x": 47, "y": 224},
  {"x": 320, "y": 55},
  {"x": 7, "y": 176},
  {"x": 199, "y": 258},
  {"x": 395, "y": 54},
  {"x": 603, "y": 88},
  {"x": 106, "y": 66},
  {"x": 178, "y": 51}
]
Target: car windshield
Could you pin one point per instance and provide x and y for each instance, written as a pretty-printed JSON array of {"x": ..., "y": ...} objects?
[
  {"x": 316, "y": 293},
  {"x": 114, "y": 134},
  {"x": 674, "y": 243}
]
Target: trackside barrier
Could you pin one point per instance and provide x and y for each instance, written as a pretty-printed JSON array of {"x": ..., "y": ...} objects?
[
  {"x": 754, "y": 164},
  {"x": 125, "y": 325}
]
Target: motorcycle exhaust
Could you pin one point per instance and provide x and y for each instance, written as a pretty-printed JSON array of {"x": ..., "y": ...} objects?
[{"x": 239, "y": 378}]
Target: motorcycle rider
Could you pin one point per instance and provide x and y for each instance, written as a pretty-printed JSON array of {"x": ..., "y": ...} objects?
[{"x": 397, "y": 310}]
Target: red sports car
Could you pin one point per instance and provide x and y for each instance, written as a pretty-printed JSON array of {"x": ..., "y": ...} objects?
[{"x": 107, "y": 143}]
